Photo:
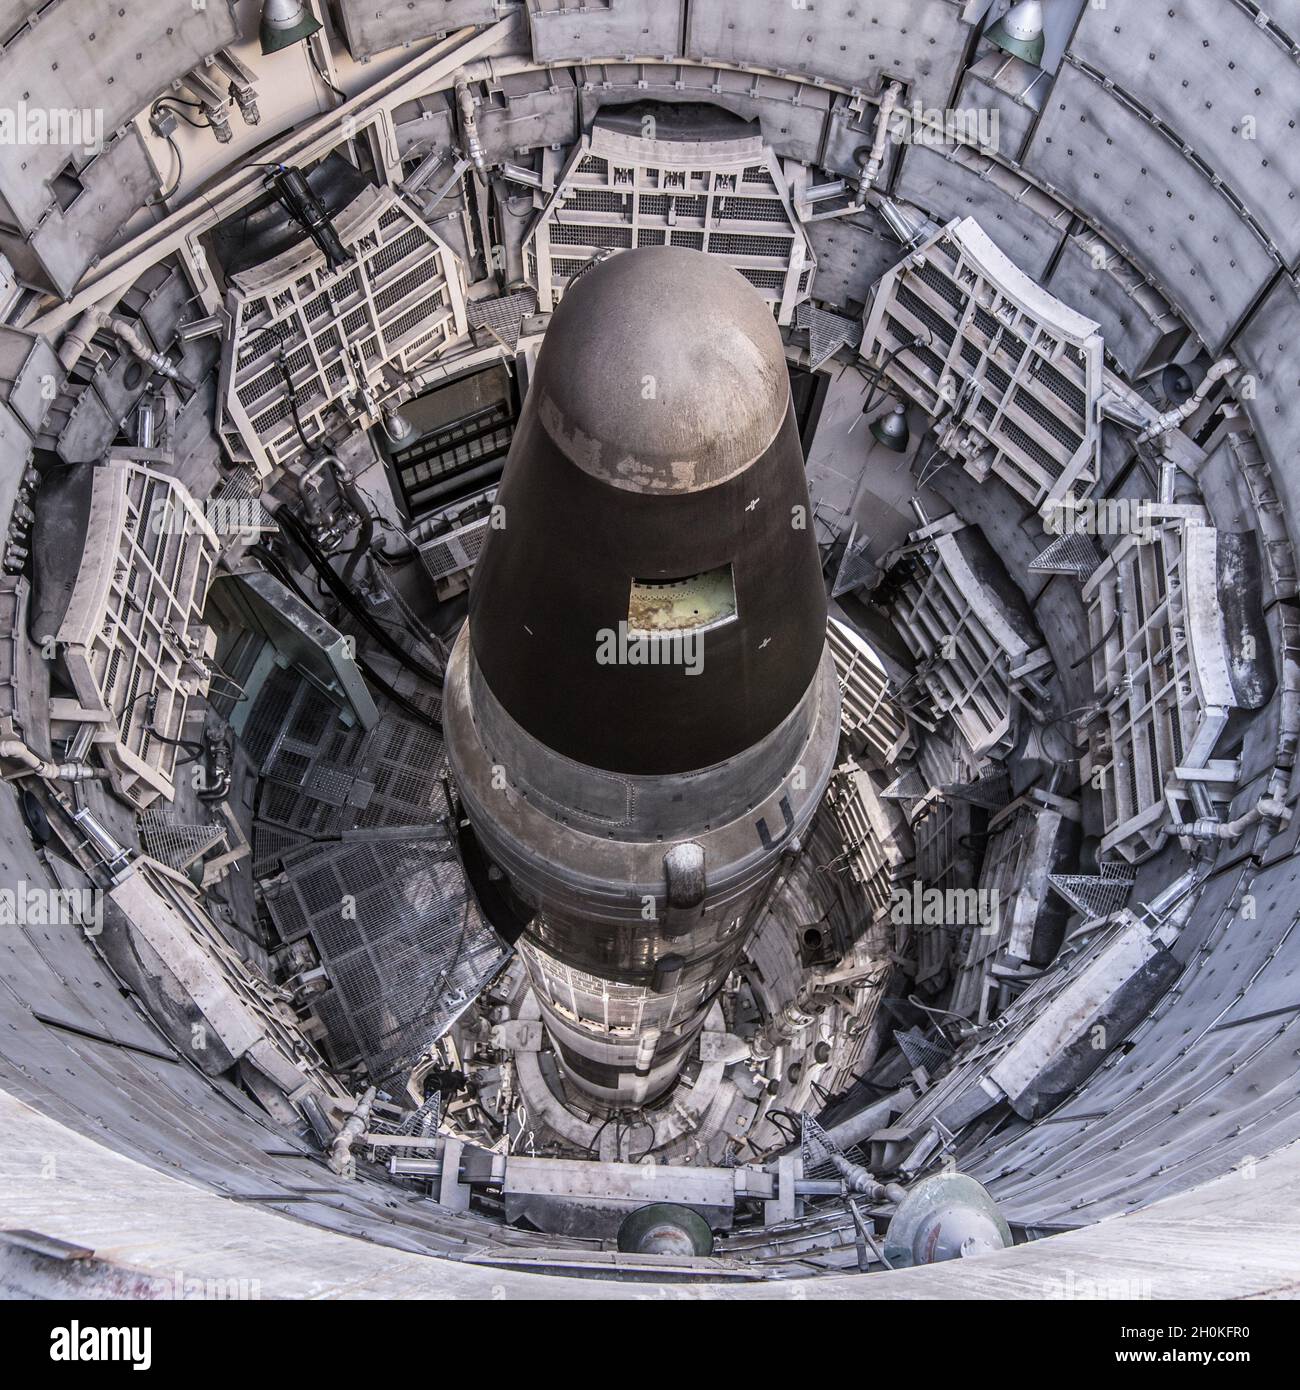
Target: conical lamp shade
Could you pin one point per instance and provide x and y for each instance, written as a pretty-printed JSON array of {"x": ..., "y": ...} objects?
[
  {"x": 284, "y": 23},
  {"x": 891, "y": 430},
  {"x": 1020, "y": 32}
]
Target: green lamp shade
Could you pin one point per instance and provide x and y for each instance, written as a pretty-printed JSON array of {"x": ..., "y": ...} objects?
[
  {"x": 1020, "y": 31},
  {"x": 891, "y": 430},
  {"x": 284, "y": 23}
]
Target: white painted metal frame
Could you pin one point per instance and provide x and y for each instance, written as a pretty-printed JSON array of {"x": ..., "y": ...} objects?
[
  {"x": 1160, "y": 673},
  {"x": 727, "y": 197},
  {"x": 866, "y": 707},
  {"x": 972, "y": 659},
  {"x": 400, "y": 302},
  {"x": 1021, "y": 371},
  {"x": 134, "y": 625}
]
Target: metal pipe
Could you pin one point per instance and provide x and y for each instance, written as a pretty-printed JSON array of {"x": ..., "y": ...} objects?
[
  {"x": 876, "y": 159},
  {"x": 859, "y": 1180},
  {"x": 365, "y": 521},
  {"x": 78, "y": 339},
  {"x": 341, "y": 1160},
  {"x": 1266, "y": 808},
  {"x": 15, "y": 750},
  {"x": 1171, "y": 419},
  {"x": 469, "y": 122}
]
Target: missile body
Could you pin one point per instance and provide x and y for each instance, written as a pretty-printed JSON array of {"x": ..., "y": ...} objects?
[{"x": 641, "y": 711}]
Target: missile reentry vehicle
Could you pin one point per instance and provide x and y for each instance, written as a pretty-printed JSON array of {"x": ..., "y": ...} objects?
[{"x": 641, "y": 710}]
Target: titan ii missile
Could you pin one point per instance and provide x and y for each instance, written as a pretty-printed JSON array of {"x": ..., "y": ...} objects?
[{"x": 641, "y": 711}]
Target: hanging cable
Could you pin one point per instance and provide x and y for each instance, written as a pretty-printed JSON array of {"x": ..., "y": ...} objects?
[
  {"x": 1100, "y": 642},
  {"x": 320, "y": 72},
  {"x": 281, "y": 573},
  {"x": 875, "y": 375},
  {"x": 299, "y": 534},
  {"x": 175, "y": 111},
  {"x": 293, "y": 400},
  {"x": 180, "y": 174}
]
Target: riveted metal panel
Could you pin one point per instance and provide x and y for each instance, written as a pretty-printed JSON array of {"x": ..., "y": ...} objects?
[
  {"x": 125, "y": 56},
  {"x": 27, "y": 362},
  {"x": 114, "y": 186},
  {"x": 852, "y": 254},
  {"x": 563, "y": 31},
  {"x": 14, "y": 14},
  {"x": 1167, "y": 217},
  {"x": 527, "y": 110},
  {"x": 1266, "y": 347},
  {"x": 1139, "y": 329},
  {"x": 791, "y": 115},
  {"x": 856, "y": 43},
  {"x": 1224, "y": 83},
  {"x": 89, "y": 430},
  {"x": 1000, "y": 86},
  {"x": 957, "y": 182},
  {"x": 371, "y": 26}
]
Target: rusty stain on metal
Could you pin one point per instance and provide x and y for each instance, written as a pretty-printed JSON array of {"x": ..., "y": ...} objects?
[{"x": 676, "y": 605}]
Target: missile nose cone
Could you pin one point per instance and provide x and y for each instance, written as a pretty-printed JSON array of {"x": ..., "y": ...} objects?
[
  {"x": 650, "y": 599},
  {"x": 663, "y": 372}
]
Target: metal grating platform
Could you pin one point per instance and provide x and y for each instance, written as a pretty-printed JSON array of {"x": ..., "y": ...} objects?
[
  {"x": 350, "y": 847},
  {"x": 171, "y": 841},
  {"x": 827, "y": 332},
  {"x": 399, "y": 937},
  {"x": 1073, "y": 554},
  {"x": 503, "y": 316},
  {"x": 856, "y": 565},
  {"x": 1098, "y": 895},
  {"x": 921, "y": 1051}
]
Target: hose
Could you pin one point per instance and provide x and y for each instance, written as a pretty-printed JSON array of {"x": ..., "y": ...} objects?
[
  {"x": 1100, "y": 642},
  {"x": 293, "y": 401},
  {"x": 321, "y": 565},
  {"x": 366, "y": 521},
  {"x": 877, "y": 374},
  {"x": 363, "y": 666}
]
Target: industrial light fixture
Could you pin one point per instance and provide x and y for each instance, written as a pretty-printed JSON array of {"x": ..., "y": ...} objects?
[
  {"x": 285, "y": 22},
  {"x": 295, "y": 195},
  {"x": 397, "y": 426},
  {"x": 1176, "y": 384},
  {"x": 891, "y": 430},
  {"x": 1020, "y": 31}
]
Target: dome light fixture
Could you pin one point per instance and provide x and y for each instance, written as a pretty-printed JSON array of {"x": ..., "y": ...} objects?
[
  {"x": 1176, "y": 384},
  {"x": 1020, "y": 32},
  {"x": 284, "y": 23},
  {"x": 397, "y": 426},
  {"x": 891, "y": 430}
]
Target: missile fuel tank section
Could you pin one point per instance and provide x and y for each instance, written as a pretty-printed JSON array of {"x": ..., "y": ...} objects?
[{"x": 641, "y": 711}]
